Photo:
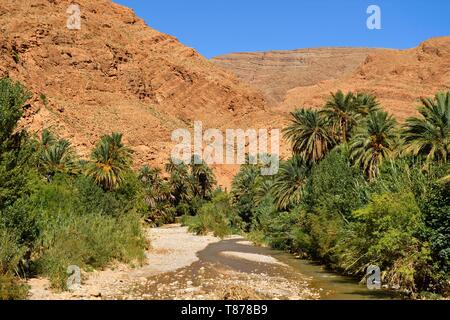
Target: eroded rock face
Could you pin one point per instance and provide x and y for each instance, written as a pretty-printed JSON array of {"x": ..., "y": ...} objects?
[
  {"x": 304, "y": 78},
  {"x": 397, "y": 78},
  {"x": 276, "y": 72},
  {"x": 118, "y": 74},
  {"x": 115, "y": 74}
]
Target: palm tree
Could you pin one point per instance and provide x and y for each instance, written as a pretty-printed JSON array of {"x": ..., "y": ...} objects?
[
  {"x": 289, "y": 183},
  {"x": 340, "y": 110},
  {"x": 110, "y": 159},
  {"x": 203, "y": 179},
  {"x": 309, "y": 135},
  {"x": 345, "y": 110},
  {"x": 429, "y": 136},
  {"x": 373, "y": 142},
  {"x": 246, "y": 182},
  {"x": 243, "y": 192},
  {"x": 58, "y": 157},
  {"x": 365, "y": 104},
  {"x": 47, "y": 138},
  {"x": 180, "y": 182},
  {"x": 157, "y": 195},
  {"x": 263, "y": 189}
]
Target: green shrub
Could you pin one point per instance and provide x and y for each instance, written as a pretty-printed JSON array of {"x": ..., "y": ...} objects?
[
  {"x": 11, "y": 252},
  {"x": 89, "y": 242},
  {"x": 92, "y": 198},
  {"x": 12, "y": 99},
  {"x": 215, "y": 216},
  {"x": 436, "y": 210},
  {"x": 386, "y": 234},
  {"x": 58, "y": 226},
  {"x": 336, "y": 188},
  {"x": 12, "y": 288},
  {"x": 244, "y": 192},
  {"x": 325, "y": 228},
  {"x": 280, "y": 230},
  {"x": 17, "y": 151}
]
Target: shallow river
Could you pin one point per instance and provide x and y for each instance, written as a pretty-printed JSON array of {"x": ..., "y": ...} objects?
[{"x": 331, "y": 285}]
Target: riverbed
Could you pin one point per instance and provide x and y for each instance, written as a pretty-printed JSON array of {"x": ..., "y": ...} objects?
[
  {"x": 234, "y": 268},
  {"x": 181, "y": 265}
]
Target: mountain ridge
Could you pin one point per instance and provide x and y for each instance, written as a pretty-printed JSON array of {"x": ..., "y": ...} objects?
[
  {"x": 116, "y": 74},
  {"x": 397, "y": 77}
]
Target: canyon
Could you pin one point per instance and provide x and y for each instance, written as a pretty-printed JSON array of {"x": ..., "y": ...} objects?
[{"x": 118, "y": 74}]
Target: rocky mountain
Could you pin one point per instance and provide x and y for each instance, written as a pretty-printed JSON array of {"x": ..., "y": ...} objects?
[
  {"x": 304, "y": 78},
  {"x": 397, "y": 77},
  {"x": 276, "y": 72},
  {"x": 116, "y": 74}
]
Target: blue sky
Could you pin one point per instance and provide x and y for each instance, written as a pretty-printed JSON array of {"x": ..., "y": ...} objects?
[{"x": 216, "y": 27}]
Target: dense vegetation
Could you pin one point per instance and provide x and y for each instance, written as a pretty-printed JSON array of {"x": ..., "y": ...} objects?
[
  {"x": 360, "y": 189},
  {"x": 58, "y": 210}
]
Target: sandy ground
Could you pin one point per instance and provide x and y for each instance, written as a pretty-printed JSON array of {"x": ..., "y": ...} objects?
[
  {"x": 252, "y": 257},
  {"x": 172, "y": 270},
  {"x": 172, "y": 248}
]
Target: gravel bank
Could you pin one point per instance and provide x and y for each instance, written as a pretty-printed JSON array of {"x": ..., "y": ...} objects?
[{"x": 173, "y": 270}]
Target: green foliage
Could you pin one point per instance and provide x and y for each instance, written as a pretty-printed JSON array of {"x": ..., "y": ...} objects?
[
  {"x": 429, "y": 136},
  {"x": 68, "y": 218},
  {"x": 244, "y": 192},
  {"x": 373, "y": 142},
  {"x": 17, "y": 151},
  {"x": 11, "y": 252},
  {"x": 12, "y": 99},
  {"x": 335, "y": 187},
  {"x": 366, "y": 103},
  {"x": 309, "y": 135},
  {"x": 203, "y": 179},
  {"x": 190, "y": 185},
  {"x": 157, "y": 197},
  {"x": 56, "y": 156},
  {"x": 289, "y": 184},
  {"x": 436, "y": 210},
  {"x": 215, "y": 216},
  {"x": 324, "y": 208},
  {"x": 11, "y": 288},
  {"x": 89, "y": 241},
  {"x": 17, "y": 174},
  {"x": 345, "y": 110},
  {"x": 386, "y": 234},
  {"x": 340, "y": 109},
  {"x": 62, "y": 227},
  {"x": 111, "y": 159}
]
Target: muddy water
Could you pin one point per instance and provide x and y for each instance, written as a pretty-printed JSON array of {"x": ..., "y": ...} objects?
[
  {"x": 335, "y": 286},
  {"x": 330, "y": 285}
]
